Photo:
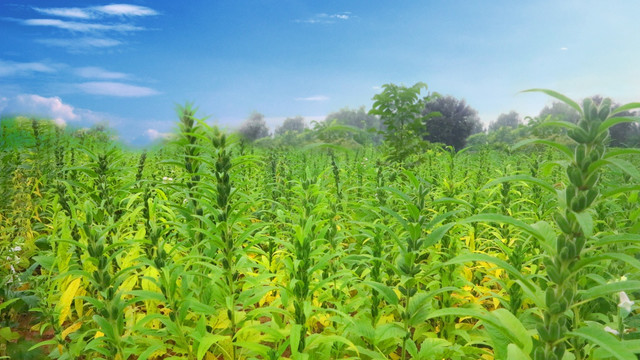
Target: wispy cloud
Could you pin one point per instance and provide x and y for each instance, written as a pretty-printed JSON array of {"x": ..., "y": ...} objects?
[
  {"x": 94, "y": 72},
  {"x": 76, "y": 13},
  {"x": 313, "y": 98},
  {"x": 81, "y": 26},
  {"x": 9, "y": 68},
  {"x": 324, "y": 18},
  {"x": 564, "y": 48},
  {"x": 98, "y": 11},
  {"x": 115, "y": 89},
  {"x": 90, "y": 24},
  {"x": 81, "y": 44},
  {"x": 124, "y": 10}
]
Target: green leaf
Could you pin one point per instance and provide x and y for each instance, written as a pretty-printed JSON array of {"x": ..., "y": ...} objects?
[
  {"x": 611, "y": 288},
  {"x": 388, "y": 294},
  {"x": 44, "y": 343},
  {"x": 513, "y": 272},
  {"x": 515, "y": 335},
  {"x": 8, "y": 335},
  {"x": 616, "y": 120},
  {"x": 205, "y": 343},
  {"x": 316, "y": 340},
  {"x": 620, "y": 189},
  {"x": 627, "y": 167},
  {"x": 558, "y": 96},
  {"x": 606, "y": 341},
  {"x": 563, "y": 148},
  {"x": 525, "y": 178},
  {"x": 294, "y": 338},
  {"x": 499, "y": 218},
  {"x": 7, "y": 303},
  {"x": 515, "y": 353},
  {"x": 437, "y": 234},
  {"x": 625, "y": 107},
  {"x": 618, "y": 238},
  {"x": 585, "y": 220},
  {"x": 516, "y": 327}
]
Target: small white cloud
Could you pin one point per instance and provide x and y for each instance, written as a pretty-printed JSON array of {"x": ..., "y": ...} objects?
[
  {"x": 81, "y": 27},
  {"x": 313, "y": 98},
  {"x": 323, "y": 18},
  {"x": 8, "y": 68},
  {"x": 564, "y": 48},
  {"x": 80, "y": 43},
  {"x": 154, "y": 134},
  {"x": 94, "y": 72},
  {"x": 115, "y": 89},
  {"x": 377, "y": 87}
]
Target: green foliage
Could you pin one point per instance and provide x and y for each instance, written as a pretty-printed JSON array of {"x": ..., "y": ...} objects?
[{"x": 400, "y": 109}]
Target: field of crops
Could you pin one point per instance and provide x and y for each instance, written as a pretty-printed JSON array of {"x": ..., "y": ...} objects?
[{"x": 210, "y": 248}]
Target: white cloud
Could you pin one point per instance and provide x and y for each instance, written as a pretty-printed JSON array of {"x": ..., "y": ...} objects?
[
  {"x": 81, "y": 43},
  {"x": 313, "y": 98},
  {"x": 154, "y": 134},
  {"x": 98, "y": 11},
  {"x": 8, "y": 68},
  {"x": 115, "y": 89},
  {"x": 125, "y": 10},
  {"x": 77, "y": 13},
  {"x": 94, "y": 72},
  {"x": 80, "y": 26},
  {"x": 36, "y": 105},
  {"x": 564, "y": 48},
  {"x": 324, "y": 18}
]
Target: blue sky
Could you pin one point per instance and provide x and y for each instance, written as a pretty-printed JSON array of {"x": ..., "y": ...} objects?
[{"x": 130, "y": 63}]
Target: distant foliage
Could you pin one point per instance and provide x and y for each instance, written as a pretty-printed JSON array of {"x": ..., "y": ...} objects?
[
  {"x": 357, "y": 118},
  {"x": 510, "y": 120},
  {"x": 294, "y": 125},
  {"x": 254, "y": 127}
]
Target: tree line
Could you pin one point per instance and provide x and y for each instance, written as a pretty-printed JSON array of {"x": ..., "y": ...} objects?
[{"x": 408, "y": 118}]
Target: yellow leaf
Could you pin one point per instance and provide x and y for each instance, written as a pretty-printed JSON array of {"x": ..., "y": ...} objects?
[
  {"x": 71, "y": 329},
  {"x": 64, "y": 306},
  {"x": 99, "y": 334}
]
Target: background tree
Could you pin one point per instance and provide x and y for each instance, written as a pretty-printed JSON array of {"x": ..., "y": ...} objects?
[
  {"x": 510, "y": 120},
  {"x": 454, "y": 124},
  {"x": 560, "y": 111},
  {"x": 294, "y": 125},
  {"x": 400, "y": 110},
  {"x": 359, "y": 119},
  {"x": 254, "y": 127},
  {"x": 356, "y": 118}
]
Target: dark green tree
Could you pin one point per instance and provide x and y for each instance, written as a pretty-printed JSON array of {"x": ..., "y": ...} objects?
[{"x": 455, "y": 121}]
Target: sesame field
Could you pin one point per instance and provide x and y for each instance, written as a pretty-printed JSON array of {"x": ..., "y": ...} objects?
[{"x": 208, "y": 246}]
